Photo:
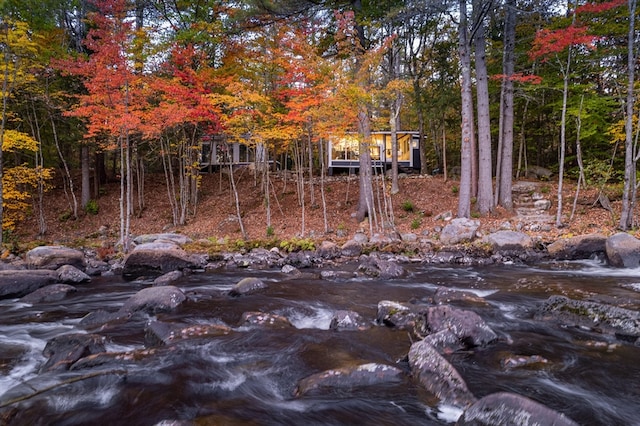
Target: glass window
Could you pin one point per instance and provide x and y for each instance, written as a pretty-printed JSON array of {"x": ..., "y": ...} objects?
[{"x": 345, "y": 148}]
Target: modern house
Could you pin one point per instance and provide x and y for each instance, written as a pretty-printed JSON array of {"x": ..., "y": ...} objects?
[
  {"x": 216, "y": 152},
  {"x": 344, "y": 152}
]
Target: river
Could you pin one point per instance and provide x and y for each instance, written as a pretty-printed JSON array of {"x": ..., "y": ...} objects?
[{"x": 249, "y": 375}]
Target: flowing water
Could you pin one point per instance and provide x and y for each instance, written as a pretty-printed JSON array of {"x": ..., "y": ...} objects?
[{"x": 249, "y": 375}]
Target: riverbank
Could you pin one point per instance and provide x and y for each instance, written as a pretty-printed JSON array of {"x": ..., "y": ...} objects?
[{"x": 424, "y": 205}]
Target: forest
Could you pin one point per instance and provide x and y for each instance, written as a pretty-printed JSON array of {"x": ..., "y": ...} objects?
[{"x": 117, "y": 90}]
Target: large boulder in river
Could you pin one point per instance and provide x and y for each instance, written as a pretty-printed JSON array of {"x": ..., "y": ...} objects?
[
  {"x": 154, "y": 299},
  {"x": 623, "y": 250},
  {"x": 247, "y": 286},
  {"x": 600, "y": 317},
  {"x": 579, "y": 247},
  {"x": 50, "y": 293},
  {"x": 64, "y": 350},
  {"x": 350, "y": 378},
  {"x": 467, "y": 326},
  {"x": 373, "y": 266},
  {"x": 395, "y": 314},
  {"x": 509, "y": 241},
  {"x": 53, "y": 257},
  {"x": 438, "y": 376},
  {"x": 155, "y": 259},
  {"x": 22, "y": 282},
  {"x": 71, "y": 275},
  {"x": 459, "y": 230},
  {"x": 506, "y": 409}
]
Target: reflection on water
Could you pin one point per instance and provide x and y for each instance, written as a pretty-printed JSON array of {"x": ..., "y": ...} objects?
[{"x": 249, "y": 375}]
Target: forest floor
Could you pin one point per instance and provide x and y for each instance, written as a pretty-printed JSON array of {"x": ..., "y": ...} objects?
[{"x": 215, "y": 217}]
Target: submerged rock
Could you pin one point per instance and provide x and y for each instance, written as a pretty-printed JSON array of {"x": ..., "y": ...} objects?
[
  {"x": 265, "y": 319},
  {"x": 348, "y": 320},
  {"x": 159, "y": 333},
  {"x": 507, "y": 409},
  {"x": 349, "y": 378}
]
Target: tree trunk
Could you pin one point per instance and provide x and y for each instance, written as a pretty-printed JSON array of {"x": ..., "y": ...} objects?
[
  {"x": 504, "y": 195},
  {"x": 365, "y": 177},
  {"x": 485, "y": 173},
  {"x": 85, "y": 191},
  {"x": 464, "y": 197},
  {"x": 626, "y": 213}
]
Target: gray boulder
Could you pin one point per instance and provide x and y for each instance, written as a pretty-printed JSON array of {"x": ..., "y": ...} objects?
[
  {"x": 53, "y": 257},
  {"x": 50, "y": 293},
  {"x": 438, "y": 376},
  {"x": 71, "y": 275},
  {"x": 328, "y": 250},
  {"x": 623, "y": 323},
  {"x": 506, "y": 409},
  {"x": 373, "y": 266},
  {"x": 623, "y": 250},
  {"x": 178, "y": 239},
  {"x": 167, "y": 278},
  {"x": 247, "y": 286},
  {"x": 445, "y": 296},
  {"x": 537, "y": 172},
  {"x": 19, "y": 283},
  {"x": 579, "y": 247},
  {"x": 459, "y": 230},
  {"x": 158, "y": 333},
  {"x": 351, "y": 248},
  {"x": 467, "y": 326},
  {"x": 348, "y": 320},
  {"x": 349, "y": 378},
  {"x": 395, "y": 314},
  {"x": 153, "y": 300},
  {"x": 157, "y": 258},
  {"x": 63, "y": 351},
  {"x": 509, "y": 241}
]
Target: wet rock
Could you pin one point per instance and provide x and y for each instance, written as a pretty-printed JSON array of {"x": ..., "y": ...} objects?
[
  {"x": 349, "y": 378},
  {"x": 506, "y": 409},
  {"x": 599, "y": 317},
  {"x": 156, "y": 259},
  {"x": 290, "y": 270},
  {"x": 301, "y": 259},
  {"x": 395, "y": 314},
  {"x": 509, "y": 242},
  {"x": 579, "y": 247},
  {"x": 444, "y": 342},
  {"x": 438, "y": 376},
  {"x": 101, "y": 317},
  {"x": 158, "y": 333},
  {"x": 153, "y": 300},
  {"x": 445, "y": 296},
  {"x": 373, "y": 266},
  {"x": 265, "y": 319},
  {"x": 247, "y": 286},
  {"x": 518, "y": 361},
  {"x": 71, "y": 275},
  {"x": 467, "y": 326},
  {"x": 22, "y": 282},
  {"x": 623, "y": 250},
  {"x": 459, "y": 230},
  {"x": 53, "y": 257},
  {"x": 348, "y": 320},
  {"x": 167, "y": 278},
  {"x": 331, "y": 274},
  {"x": 50, "y": 293},
  {"x": 62, "y": 351}
]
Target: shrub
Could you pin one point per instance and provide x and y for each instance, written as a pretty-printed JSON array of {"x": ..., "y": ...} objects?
[
  {"x": 407, "y": 206},
  {"x": 270, "y": 231},
  {"x": 92, "y": 207},
  {"x": 415, "y": 224}
]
